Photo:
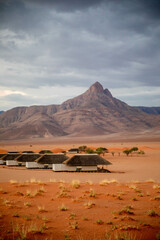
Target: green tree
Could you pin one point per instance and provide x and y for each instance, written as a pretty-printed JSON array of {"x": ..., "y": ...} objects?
[
  {"x": 127, "y": 151},
  {"x": 101, "y": 150},
  {"x": 89, "y": 150},
  {"x": 82, "y": 148},
  {"x": 134, "y": 149}
]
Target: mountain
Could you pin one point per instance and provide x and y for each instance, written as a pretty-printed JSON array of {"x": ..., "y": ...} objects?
[
  {"x": 95, "y": 112},
  {"x": 150, "y": 110},
  {"x": 1, "y": 112}
]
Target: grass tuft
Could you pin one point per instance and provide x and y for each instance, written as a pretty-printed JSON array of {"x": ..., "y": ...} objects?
[
  {"x": 41, "y": 209},
  {"x": 152, "y": 213},
  {"x": 13, "y": 181},
  {"x": 63, "y": 208},
  {"x": 75, "y": 183},
  {"x": 126, "y": 210},
  {"x": 89, "y": 204}
]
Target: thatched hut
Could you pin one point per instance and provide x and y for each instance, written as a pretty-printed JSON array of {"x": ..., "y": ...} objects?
[
  {"x": 2, "y": 155},
  {"x": 9, "y": 158},
  {"x": 47, "y": 160},
  {"x": 82, "y": 162},
  {"x": 21, "y": 159},
  {"x": 73, "y": 150},
  {"x": 45, "y": 152}
]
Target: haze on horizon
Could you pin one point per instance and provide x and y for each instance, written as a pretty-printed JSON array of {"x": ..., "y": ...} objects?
[{"x": 51, "y": 51}]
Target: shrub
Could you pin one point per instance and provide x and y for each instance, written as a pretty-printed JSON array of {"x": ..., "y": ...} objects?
[
  {"x": 152, "y": 213},
  {"x": 99, "y": 222},
  {"x": 76, "y": 183},
  {"x": 63, "y": 208},
  {"x": 90, "y": 151}
]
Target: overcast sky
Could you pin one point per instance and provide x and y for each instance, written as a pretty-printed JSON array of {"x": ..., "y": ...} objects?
[{"x": 52, "y": 50}]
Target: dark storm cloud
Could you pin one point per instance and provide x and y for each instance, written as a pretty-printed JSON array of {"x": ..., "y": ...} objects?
[
  {"x": 149, "y": 6},
  {"x": 45, "y": 43}
]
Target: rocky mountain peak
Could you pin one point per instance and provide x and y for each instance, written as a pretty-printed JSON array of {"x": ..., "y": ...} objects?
[
  {"x": 108, "y": 93},
  {"x": 96, "y": 88}
]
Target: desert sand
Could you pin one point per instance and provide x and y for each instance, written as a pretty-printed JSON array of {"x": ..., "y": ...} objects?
[{"x": 123, "y": 204}]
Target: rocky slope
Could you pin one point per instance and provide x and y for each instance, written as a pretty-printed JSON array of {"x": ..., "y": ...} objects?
[{"x": 95, "y": 112}]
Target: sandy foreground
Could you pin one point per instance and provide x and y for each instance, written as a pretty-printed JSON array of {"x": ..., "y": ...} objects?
[{"x": 41, "y": 204}]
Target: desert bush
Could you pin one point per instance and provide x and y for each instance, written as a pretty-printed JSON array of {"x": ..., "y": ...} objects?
[
  {"x": 89, "y": 204},
  {"x": 41, "y": 209},
  {"x": 63, "y": 208},
  {"x": 152, "y": 213},
  {"x": 90, "y": 151},
  {"x": 75, "y": 183},
  {"x": 92, "y": 193},
  {"x": 82, "y": 148},
  {"x": 13, "y": 181},
  {"x": 74, "y": 225},
  {"x": 141, "y": 152},
  {"x": 126, "y": 210},
  {"x": 99, "y": 222},
  {"x": 27, "y": 204}
]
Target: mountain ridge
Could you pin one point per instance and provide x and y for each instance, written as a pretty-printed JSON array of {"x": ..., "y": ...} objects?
[{"x": 95, "y": 112}]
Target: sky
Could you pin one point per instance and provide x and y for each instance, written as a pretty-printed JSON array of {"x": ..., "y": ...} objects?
[{"x": 51, "y": 51}]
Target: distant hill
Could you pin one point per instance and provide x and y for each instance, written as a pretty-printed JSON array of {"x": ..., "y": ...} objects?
[
  {"x": 95, "y": 112},
  {"x": 150, "y": 110},
  {"x": 1, "y": 112}
]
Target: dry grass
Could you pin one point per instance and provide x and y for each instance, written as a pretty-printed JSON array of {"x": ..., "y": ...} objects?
[
  {"x": 152, "y": 213},
  {"x": 92, "y": 193},
  {"x": 13, "y": 181},
  {"x": 99, "y": 222},
  {"x": 74, "y": 225},
  {"x": 126, "y": 210},
  {"x": 89, "y": 204},
  {"x": 105, "y": 182},
  {"x": 150, "y": 181},
  {"x": 41, "y": 209},
  {"x": 27, "y": 204},
  {"x": 63, "y": 208},
  {"x": 89, "y": 182},
  {"x": 156, "y": 186},
  {"x": 75, "y": 183}
]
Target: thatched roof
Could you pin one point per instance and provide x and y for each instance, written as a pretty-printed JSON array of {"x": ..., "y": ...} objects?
[
  {"x": 27, "y": 157},
  {"x": 2, "y": 154},
  {"x": 27, "y": 152},
  {"x": 10, "y": 156},
  {"x": 73, "y": 150},
  {"x": 45, "y": 151},
  {"x": 86, "y": 160},
  {"x": 52, "y": 158}
]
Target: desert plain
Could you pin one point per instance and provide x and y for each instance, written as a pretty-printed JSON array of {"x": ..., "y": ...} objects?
[{"x": 123, "y": 204}]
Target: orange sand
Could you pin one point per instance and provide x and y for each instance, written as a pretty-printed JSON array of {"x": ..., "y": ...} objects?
[
  {"x": 34, "y": 222},
  {"x": 34, "y": 211}
]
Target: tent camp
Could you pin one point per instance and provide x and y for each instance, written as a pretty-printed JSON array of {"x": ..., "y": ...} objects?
[
  {"x": 46, "y": 161},
  {"x": 21, "y": 159},
  {"x": 82, "y": 162},
  {"x": 9, "y": 158}
]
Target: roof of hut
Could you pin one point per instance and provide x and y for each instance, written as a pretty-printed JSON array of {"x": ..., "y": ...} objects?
[
  {"x": 27, "y": 152},
  {"x": 27, "y": 157},
  {"x": 10, "y": 156},
  {"x": 73, "y": 150},
  {"x": 2, "y": 154},
  {"x": 13, "y": 152},
  {"x": 86, "y": 160},
  {"x": 45, "y": 151},
  {"x": 52, "y": 158}
]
